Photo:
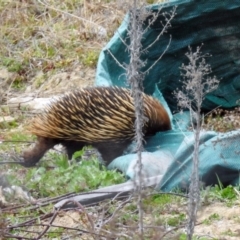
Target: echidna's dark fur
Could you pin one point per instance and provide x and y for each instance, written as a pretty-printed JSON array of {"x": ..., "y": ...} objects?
[{"x": 102, "y": 117}]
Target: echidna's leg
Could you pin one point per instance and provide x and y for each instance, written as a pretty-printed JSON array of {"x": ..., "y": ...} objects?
[
  {"x": 111, "y": 150},
  {"x": 72, "y": 147},
  {"x": 33, "y": 155}
]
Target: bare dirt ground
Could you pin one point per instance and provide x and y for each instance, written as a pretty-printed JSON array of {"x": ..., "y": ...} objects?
[
  {"x": 47, "y": 48},
  {"x": 224, "y": 226}
]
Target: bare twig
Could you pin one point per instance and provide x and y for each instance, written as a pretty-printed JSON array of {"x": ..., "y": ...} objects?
[
  {"x": 166, "y": 25},
  {"x": 135, "y": 79},
  {"x": 196, "y": 85},
  {"x": 160, "y": 57},
  {"x": 71, "y": 15}
]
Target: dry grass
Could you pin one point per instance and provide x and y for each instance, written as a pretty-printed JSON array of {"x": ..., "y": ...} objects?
[
  {"x": 39, "y": 39},
  {"x": 221, "y": 120},
  {"x": 42, "y": 38}
]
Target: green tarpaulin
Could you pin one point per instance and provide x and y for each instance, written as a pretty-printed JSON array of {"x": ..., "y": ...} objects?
[{"x": 216, "y": 24}]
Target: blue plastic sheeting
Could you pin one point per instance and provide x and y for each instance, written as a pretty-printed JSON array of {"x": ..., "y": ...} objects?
[
  {"x": 219, "y": 161},
  {"x": 215, "y": 23},
  {"x": 153, "y": 163}
]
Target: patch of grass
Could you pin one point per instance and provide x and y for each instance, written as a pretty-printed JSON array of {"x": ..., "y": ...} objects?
[
  {"x": 226, "y": 193},
  {"x": 212, "y": 218},
  {"x": 43, "y": 36},
  {"x": 89, "y": 58},
  {"x": 176, "y": 220},
  {"x": 183, "y": 236},
  {"x": 230, "y": 233},
  {"x": 8, "y": 124},
  {"x": 19, "y": 136},
  {"x": 165, "y": 209},
  {"x": 160, "y": 199},
  {"x": 14, "y": 140},
  {"x": 128, "y": 218},
  {"x": 56, "y": 233},
  {"x": 219, "y": 193},
  {"x": 58, "y": 176},
  {"x": 18, "y": 67},
  {"x": 12, "y": 64},
  {"x": 163, "y": 202}
]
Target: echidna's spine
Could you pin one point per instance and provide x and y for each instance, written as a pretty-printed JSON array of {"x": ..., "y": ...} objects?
[{"x": 103, "y": 117}]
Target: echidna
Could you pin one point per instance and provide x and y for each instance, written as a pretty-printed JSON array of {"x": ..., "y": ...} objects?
[{"x": 100, "y": 116}]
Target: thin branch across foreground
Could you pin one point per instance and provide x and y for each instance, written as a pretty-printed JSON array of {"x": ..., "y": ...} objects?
[{"x": 112, "y": 218}]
